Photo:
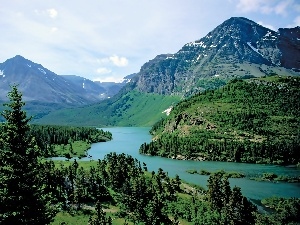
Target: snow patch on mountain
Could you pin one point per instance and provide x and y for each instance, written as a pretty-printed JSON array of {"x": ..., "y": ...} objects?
[
  {"x": 269, "y": 37},
  {"x": 253, "y": 48},
  {"x": 168, "y": 110},
  {"x": 42, "y": 71},
  {"x": 170, "y": 57},
  {"x": 127, "y": 80},
  {"x": 195, "y": 43},
  {"x": 268, "y": 34}
]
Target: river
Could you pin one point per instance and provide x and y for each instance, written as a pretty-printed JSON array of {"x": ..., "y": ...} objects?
[{"x": 128, "y": 140}]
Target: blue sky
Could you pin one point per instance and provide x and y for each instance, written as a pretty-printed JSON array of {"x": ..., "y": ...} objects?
[{"x": 108, "y": 39}]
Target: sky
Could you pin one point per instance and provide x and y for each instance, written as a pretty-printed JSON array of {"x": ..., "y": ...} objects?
[{"x": 105, "y": 40}]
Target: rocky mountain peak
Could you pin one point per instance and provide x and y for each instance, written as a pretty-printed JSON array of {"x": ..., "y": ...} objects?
[
  {"x": 238, "y": 38},
  {"x": 238, "y": 47}
]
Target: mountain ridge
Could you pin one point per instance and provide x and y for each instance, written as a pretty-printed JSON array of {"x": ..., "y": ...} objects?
[
  {"x": 237, "y": 48},
  {"x": 37, "y": 83},
  {"x": 53, "y": 88},
  {"x": 225, "y": 53},
  {"x": 44, "y": 91}
]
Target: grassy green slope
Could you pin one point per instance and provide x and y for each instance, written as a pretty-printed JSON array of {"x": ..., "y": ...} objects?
[
  {"x": 249, "y": 121},
  {"x": 130, "y": 109}
]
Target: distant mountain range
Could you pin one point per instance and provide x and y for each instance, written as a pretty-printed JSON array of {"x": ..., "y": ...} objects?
[
  {"x": 44, "y": 91},
  {"x": 238, "y": 48},
  {"x": 38, "y": 83}
]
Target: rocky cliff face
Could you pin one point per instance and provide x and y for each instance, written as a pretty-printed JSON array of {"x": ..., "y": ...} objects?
[
  {"x": 289, "y": 45},
  {"x": 237, "y": 48}
]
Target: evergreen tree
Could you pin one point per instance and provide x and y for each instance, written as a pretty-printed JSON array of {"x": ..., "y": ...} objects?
[
  {"x": 23, "y": 200},
  {"x": 214, "y": 192},
  {"x": 100, "y": 218}
]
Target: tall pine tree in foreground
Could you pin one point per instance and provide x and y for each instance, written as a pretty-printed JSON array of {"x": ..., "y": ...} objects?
[{"x": 22, "y": 196}]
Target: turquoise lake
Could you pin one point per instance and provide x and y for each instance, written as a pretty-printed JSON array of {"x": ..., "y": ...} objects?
[{"x": 128, "y": 140}]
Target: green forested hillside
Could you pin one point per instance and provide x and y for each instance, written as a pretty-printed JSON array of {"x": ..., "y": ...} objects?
[
  {"x": 254, "y": 120},
  {"x": 115, "y": 190},
  {"x": 131, "y": 108}
]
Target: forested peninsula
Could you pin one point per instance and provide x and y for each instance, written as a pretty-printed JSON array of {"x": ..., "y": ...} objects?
[
  {"x": 253, "y": 120},
  {"x": 67, "y": 141}
]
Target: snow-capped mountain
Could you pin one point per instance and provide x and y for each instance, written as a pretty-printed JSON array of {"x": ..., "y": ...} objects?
[{"x": 238, "y": 47}]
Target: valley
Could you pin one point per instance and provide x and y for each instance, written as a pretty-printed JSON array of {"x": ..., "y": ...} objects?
[
  {"x": 207, "y": 135},
  {"x": 236, "y": 49}
]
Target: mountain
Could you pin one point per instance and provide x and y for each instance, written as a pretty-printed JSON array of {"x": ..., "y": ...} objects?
[
  {"x": 42, "y": 85},
  {"x": 255, "y": 120},
  {"x": 238, "y": 48},
  {"x": 44, "y": 91},
  {"x": 86, "y": 84}
]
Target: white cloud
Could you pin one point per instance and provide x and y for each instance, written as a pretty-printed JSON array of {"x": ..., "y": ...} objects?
[
  {"x": 54, "y": 29},
  {"x": 297, "y": 7},
  {"x": 115, "y": 60},
  {"x": 103, "y": 60},
  {"x": 52, "y": 13},
  {"x": 103, "y": 70},
  {"x": 280, "y": 7},
  {"x": 266, "y": 25},
  {"x": 251, "y": 5},
  {"x": 108, "y": 79},
  {"x": 78, "y": 38},
  {"x": 119, "y": 61},
  {"x": 296, "y": 22}
]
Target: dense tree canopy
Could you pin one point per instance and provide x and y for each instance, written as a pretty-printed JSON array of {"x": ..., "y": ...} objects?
[
  {"x": 245, "y": 121},
  {"x": 22, "y": 195},
  {"x": 32, "y": 190}
]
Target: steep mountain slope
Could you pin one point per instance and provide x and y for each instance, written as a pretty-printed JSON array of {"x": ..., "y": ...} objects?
[
  {"x": 237, "y": 48},
  {"x": 246, "y": 121}
]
